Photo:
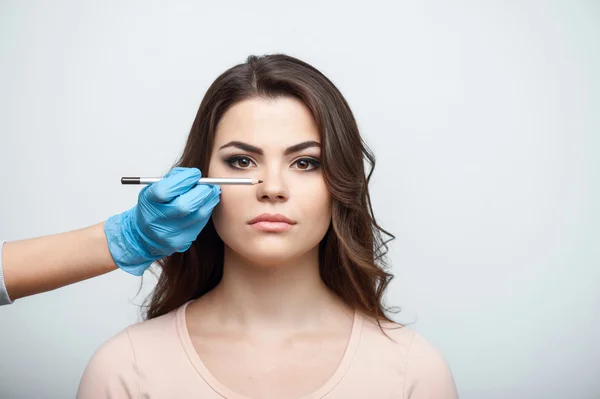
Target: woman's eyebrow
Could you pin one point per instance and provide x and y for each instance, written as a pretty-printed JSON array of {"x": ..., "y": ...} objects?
[{"x": 256, "y": 150}]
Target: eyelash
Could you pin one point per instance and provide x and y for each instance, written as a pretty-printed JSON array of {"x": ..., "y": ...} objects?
[{"x": 316, "y": 164}]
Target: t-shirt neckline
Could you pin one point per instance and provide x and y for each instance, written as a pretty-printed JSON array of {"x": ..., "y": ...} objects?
[{"x": 222, "y": 390}]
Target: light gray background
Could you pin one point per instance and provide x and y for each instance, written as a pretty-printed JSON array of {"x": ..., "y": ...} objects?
[{"x": 484, "y": 117}]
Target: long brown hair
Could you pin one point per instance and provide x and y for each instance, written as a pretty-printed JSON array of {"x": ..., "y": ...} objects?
[{"x": 351, "y": 255}]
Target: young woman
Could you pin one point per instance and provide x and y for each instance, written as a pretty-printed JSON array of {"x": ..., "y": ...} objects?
[{"x": 280, "y": 296}]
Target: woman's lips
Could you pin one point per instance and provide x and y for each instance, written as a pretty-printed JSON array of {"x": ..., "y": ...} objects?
[{"x": 272, "y": 226}]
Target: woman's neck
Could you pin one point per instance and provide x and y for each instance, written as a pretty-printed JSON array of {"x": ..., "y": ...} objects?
[{"x": 280, "y": 298}]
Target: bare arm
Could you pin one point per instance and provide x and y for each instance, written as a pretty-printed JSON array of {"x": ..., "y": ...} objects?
[
  {"x": 41, "y": 264},
  {"x": 131, "y": 240}
]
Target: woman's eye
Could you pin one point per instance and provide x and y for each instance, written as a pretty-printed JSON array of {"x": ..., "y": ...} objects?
[
  {"x": 305, "y": 164},
  {"x": 242, "y": 162}
]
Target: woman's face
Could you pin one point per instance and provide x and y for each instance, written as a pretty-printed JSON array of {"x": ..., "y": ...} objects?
[{"x": 278, "y": 142}]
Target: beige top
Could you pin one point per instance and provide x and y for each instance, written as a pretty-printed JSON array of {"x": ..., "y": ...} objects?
[{"x": 156, "y": 359}]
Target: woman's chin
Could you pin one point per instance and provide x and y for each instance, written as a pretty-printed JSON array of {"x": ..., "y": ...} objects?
[
  {"x": 270, "y": 259},
  {"x": 269, "y": 256},
  {"x": 271, "y": 251}
]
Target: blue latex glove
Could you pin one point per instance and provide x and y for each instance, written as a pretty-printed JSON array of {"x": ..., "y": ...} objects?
[{"x": 168, "y": 217}]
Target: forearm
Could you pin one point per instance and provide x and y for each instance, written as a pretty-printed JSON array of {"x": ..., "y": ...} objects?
[{"x": 45, "y": 263}]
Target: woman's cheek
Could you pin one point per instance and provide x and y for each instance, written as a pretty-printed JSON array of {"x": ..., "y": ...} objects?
[{"x": 229, "y": 206}]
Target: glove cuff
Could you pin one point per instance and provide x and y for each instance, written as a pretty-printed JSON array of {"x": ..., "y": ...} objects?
[{"x": 124, "y": 246}]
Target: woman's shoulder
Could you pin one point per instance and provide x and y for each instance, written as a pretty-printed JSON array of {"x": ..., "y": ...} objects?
[
  {"x": 117, "y": 363},
  {"x": 406, "y": 349},
  {"x": 388, "y": 333},
  {"x": 161, "y": 336},
  {"x": 392, "y": 335},
  {"x": 132, "y": 340},
  {"x": 158, "y": 327}
]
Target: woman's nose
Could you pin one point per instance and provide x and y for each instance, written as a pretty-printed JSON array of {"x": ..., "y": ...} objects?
[{"x": 273, "y": 187}]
